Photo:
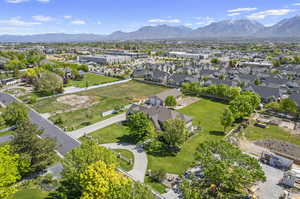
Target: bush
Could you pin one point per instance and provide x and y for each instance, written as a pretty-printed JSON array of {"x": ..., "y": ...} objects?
[{"x": 158, "y": 175}]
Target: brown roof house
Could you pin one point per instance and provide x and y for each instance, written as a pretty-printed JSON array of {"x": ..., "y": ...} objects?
[
  {"x": 159, "y": 99},
  {"x": 160, "y": 114}
]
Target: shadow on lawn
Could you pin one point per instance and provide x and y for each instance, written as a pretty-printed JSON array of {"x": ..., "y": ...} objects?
[{"x": 217, "y": 133}]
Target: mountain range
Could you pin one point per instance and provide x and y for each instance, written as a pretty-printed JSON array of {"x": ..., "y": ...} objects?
[{"x": 239, "y": 28}]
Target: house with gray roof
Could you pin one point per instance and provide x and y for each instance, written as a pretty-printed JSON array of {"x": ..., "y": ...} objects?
[
  {"x": 159, "y": 99},
  {"x": 160, "y": 114},
  {"x": 267, "y": 94}
]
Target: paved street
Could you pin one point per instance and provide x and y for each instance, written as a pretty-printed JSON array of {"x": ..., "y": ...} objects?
[
  {"x": 94, "y": 127},
  {"x": 65, "y": 143},
  {"x": 140, "y": 159}
]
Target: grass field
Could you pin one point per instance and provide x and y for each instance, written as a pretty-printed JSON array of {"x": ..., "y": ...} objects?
[
  {"x": 112, "y": 134},
  {"x": 273, "y": 132},
  {"x": 107, "y": 98},
  {"x": 204, "y": 112},
  {"x": 91, "y": 79},
  {"x": 29, "y": 194}
]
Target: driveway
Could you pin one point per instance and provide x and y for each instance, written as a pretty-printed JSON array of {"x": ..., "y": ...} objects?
[
  {"x": 140, "y": 159},
  {"x": 270, "y": 189},
  {"x": 94, "y": 127}
]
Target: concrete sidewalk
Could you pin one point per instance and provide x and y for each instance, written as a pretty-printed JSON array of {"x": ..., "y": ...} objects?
[{"x": 94, "y": 127}]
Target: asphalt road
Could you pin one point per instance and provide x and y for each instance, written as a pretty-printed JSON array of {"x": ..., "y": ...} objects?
[{"x": 65, "y": 143}]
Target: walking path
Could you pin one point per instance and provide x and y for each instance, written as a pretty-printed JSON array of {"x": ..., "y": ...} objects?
[
  {"x": 140, "y": 159},
  {"x": 94, "y": 127}
]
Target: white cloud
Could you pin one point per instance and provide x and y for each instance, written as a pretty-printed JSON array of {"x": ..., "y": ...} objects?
[
  {"x": 296, "y": 4},
  {"x": 242, "y": 10},
  {"x": 78, "y": 22},
  {"x": 42, "y": 18},
  {"x": 164, "y": 20},
  {"x": 18, "y": 22},
  {"x": 44, "y": 1},
  {"x": 21, "y": 1},
  {"x": 188, "y": 24},
  {"x": 99, "y": 22},
  {"x": 234, "y": 14},
  {"x": 16, "y": 1},
  {"x": 266, "y": 13},
  {"x": 68, "y": 17},
  {"x": 205, "y": 20}
]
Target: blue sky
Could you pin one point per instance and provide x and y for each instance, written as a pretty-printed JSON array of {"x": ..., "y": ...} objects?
[{"x": 107, "y": 16}]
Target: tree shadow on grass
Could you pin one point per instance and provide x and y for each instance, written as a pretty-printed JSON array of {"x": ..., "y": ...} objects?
[
  {"x": 127, "y": 139},
  {"x": 217, "y": 133}
]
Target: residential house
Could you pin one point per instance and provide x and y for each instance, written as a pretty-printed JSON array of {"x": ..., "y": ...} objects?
[
  {"x": 160, "y": 114},
  {"x": 267, "y": 94},
  {"x": 159, "y": 99}
]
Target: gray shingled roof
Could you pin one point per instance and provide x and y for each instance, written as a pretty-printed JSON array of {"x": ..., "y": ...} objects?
[{"x": 159, "y": 114}]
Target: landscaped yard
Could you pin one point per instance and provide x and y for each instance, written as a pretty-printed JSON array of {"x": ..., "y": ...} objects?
[
  {"x": 111, "y": 134},
  {"x": 126, "y": 166},
  {"x": 98, "y": 100},
  {"x": 204, "y": 112},
  {"x": 91, "y": 79},
  {"x": 273, "y": 132},
  {"x": 29, "y": 194}
]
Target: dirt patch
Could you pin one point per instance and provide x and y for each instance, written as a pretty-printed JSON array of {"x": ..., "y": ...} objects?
[
  {"x": 280, "y": 146},
  {"x": 76, "y": 102},
  {"x": 250, "y": 147},
  {"x": 73, "y": 100}
]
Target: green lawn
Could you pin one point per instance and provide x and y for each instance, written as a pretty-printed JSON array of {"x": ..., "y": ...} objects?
[
  {"x": 92, "y": 80},
  {"x": 112, "y": 134},
  {"x": 208, "y": 114},
  {"x": 107, "y": 98},
  {"x": 126, "y": 166},
  {"x": 160, "y": 188},
  {"x": 273, "y": 132},
  {"x": 29, "y": 194}
]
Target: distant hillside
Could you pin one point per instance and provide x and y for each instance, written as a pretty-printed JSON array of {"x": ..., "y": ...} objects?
[{"x": 287, "y": 28}]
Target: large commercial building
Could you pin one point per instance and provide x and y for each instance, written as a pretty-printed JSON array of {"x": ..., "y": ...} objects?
[
  {"x": 126, "y": 53},
  {"x": 103, "y": 59},
  {"x": 186, "y": 55}
]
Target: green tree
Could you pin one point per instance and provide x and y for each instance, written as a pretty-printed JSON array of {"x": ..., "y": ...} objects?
[
  {"x": 48, "y": 83},
  {"x": 140, "y": 126},
  {"x": 215, "y": 61},
  {"x": 101, "y": 180},
  {"x": 288, "y": 106},
  {"x": 170, "y": 101},
  {"x": 175, "y": 133},
  {"x": 38, "y": 153},
  {"x": 9, "y": 171},
  {"x": 76, "y": 162},
  {"x": 227, "y": 119},
  {"x": 245, "y": 104},
  {"x": 228, "y": 172},
  {"x": 15, "y": 113}
]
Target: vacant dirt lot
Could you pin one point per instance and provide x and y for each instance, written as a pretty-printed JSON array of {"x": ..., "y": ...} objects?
[
  {"x": 76, "y": 102},
  {"x": 280, "y": 146}
]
